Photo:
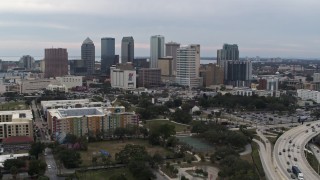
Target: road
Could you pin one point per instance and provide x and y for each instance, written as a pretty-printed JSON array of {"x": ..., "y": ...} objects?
[
  {"x": 51, "y": 166},
  {"x": 315, "y": 151},
  {"x": 286, "y": 154}
]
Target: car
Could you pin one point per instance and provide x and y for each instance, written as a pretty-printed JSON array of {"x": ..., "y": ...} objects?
[
  {"x": 279, "y": 153},
  {"x": 295, "y": 159},
  {"x": 289, "y": 155},
  {"x": 307, "y": 131},
  {"x": 293, "y": 145},
  {"x": 314, "y": 147},
  {"x": 290, "y": 141},
  {"x": 289, "y": 170},
  {"x": 49, "y": 167},
  {"x": 283, "y": 150},
  {"x": 293, "y": 176},
  {"x": 317, "y": 151},
  {"x": 298, "y": 147},
  {"x": 307, "y": 124},
  {"x": 288, "y": 162},
  {"x": 298, "y": 151}
]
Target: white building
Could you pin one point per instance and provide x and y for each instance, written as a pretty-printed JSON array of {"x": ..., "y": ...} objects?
[
  {"x": 156, "y": 50},
  {"x": 272, "y": 84},
  {"x": 30, "y": 86},
  {"x": 70, "y": 81},
  {"x": 316, "y": 77},
  {"x": 60, "y": 88},
  {"x": 16, "y": 123},
  {"x": 123, "y": 79},
  {"x": 242, "y": 92},
  {"x": 188, "y": 64},
  {"x": 266, "y": 93},
  {"x": 305, "y": 94}
]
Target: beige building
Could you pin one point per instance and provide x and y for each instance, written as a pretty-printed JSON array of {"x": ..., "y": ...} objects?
[
  {"x": 166, "y": 66},
  {"x": 212, "y": 74},
  {"x": 30, "y": 86},
  {"x": 70, "y": 81},
  {"x": 16, "y": 123}
]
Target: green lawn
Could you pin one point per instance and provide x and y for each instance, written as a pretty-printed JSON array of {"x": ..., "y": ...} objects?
[
  {"x": 104, "y": 174},
  {"x": 156, "y": 123},
  {"x": 115, "y": 146},
  {"x": 256, "y": 159},
  {"x": 13, "y": 106}
]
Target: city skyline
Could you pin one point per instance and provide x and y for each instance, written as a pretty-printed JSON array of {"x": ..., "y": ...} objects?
[{"x": 268, "y": 29}]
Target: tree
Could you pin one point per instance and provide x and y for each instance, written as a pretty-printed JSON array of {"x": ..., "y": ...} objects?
[
  {"x": 36, "y": 149},
  {"x": 140, "y": 171},
  {"x": 130, "y": 152},
  {"x": 71, "y": 138},
  {"x": 120, "y": 132},
  {"x": 9, "y": 163},
  {"x": 14, "y": 172},
  {"x": 144, "y": 131},
  {"x": 37, "y": 167},
  {"x": 181, "y": 116},
  {"x": 118, "y": 177},
  {"x": 70, "y": 158}
]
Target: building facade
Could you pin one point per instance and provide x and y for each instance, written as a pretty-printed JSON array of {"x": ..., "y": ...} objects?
[
  {"x": 70, "y": 81},
  {"x": 188, "y": 64},
  {"x": 171, "y": 50},
  {"x": 107, "y": 54},
  {"x": 306, "y": 94},
  {"x": 149, "y": 77},
  {"x": 165, "y": 64},
  {"x": 31, "y": 86},
  {"x": 89, "y": 121},
  {"x": 88, "y": 55},
  {"x": 238, "y": 73},
  {"x": 26, "y": 62},
  {"x": 227, "y": 53},
  {"x": 16, "y": 123},
  {"x": 123, "y": 78},
  {"x": 127, "y": 49},
  {"x": 56, "y": 62},
  {"x": 211, "y": 74},
  {"x": 156, "y": 50}
]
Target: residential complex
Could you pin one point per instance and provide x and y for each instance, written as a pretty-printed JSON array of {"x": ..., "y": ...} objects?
[
  {"x": 16, "y": 123},
  {"x": 89, "y": 121}
]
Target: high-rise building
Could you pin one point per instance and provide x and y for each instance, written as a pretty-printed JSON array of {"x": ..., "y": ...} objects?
[
  {"x": 165, "y": 64},
  {"x": 238, "y": 73},
  {"x": 56, "y": 62},
  {"x": 156, "y": 50},
  {"x": 107, "y": 54},
  {"x": 212, "y": 74},
  {"x": 188, "y": 64},
  {"x": 26, "y": 62},
  {"x": 88, "y": 55},
  {"x": 149, "y": 77},
  {"x": 171, "y": 50},
  {"x": 127, "y": 49},
  {"x": 228, "y": 52}
]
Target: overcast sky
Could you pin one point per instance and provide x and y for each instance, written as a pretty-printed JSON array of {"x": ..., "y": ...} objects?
[{"x": 266, "y": 28}]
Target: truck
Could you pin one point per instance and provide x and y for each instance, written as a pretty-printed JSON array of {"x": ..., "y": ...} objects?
[{"x": 296, "y": 171}]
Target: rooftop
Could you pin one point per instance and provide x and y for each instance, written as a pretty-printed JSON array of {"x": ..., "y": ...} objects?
[{"x": 20, "y": 114}]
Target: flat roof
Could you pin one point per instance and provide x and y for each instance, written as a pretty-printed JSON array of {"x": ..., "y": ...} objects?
[
  {"x": 19, "y": 114},
  {"x": 10, "y": 156},
  {"x": 59, "y": 102},
  {"x": 76, "y": 112}
]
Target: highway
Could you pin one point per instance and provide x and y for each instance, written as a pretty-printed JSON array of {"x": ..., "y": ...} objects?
[{"x": 286, "y": 154}]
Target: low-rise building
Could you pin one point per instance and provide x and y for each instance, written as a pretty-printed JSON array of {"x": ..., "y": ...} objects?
[
  {"x": 149, "y": 77},
  {"x": 31, "y": 86},
  {"x": 305, "y": 94},
  {"x": 16, "y": 123},
  {"x": 70, "y": 81},
  {"x": 123, "y": 78},
  {"x": 59, "y": 88},
  {"x": 89, "y": 121}
]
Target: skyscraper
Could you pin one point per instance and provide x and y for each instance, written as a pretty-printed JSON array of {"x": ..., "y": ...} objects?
[
  {"x": 171, "y": 50},
  {"x": 238, "y": 73},
  {"x": 107, "y": 54},
  {"x": 26, "y": 62},
  {"x": 127, "y": 49},
  {"x": 156, "y": 50},
  {"x": 188, "y": 64},
  {"x": 56, "y": 62},
  {"x": 228, "y": 52},
  {"x": 88, "y": 55}
]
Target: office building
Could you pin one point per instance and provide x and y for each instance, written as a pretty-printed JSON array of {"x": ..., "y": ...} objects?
[
  {"x": 228, "y": 52},
  {"x": 107, "y": 54},
  {"x": 141, "y": 63},
  {"x": 70, "y": 81},
  {"x": 56, "y": 62},
  {"x": 123, "y": 77},
  {"x": 26, "y": 62},
  {"x": 35, "y": 85},
  {"x": 88, "y": 55},
  {"x": 89, "y": 121},
  {"x": 238, "y": 73},
  {"x": 156, "y": 50},
  {"x": 165, "y": 64},
  {"x": 127, "y": 49},
  {"x": 171, "y": 50},
  {"x": 188, "y": 64},
  {"x": 16, "y": 123},
  {"x": 211, "y": 74},
  {"x": 149, "y": 77},
  {"x": 77, "y": 67}
]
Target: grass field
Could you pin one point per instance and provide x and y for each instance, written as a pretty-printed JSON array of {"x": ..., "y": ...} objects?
[
  {"x": 104, "y": 174},
  {"x": 114, "y": 147},
  {"x": 13, "y": 106},
  {"x": 156, "y": 123},
  {"x": 256, "y": 159}
]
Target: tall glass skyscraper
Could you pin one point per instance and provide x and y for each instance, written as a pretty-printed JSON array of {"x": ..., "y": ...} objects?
[
  {"x": 156, "y": 50},
  {"x": 88, "y": 55},
  {"x": 127, "y": 49},
  {"x": 228, "y": 52},
  {"x": 107, "y": 54}
]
